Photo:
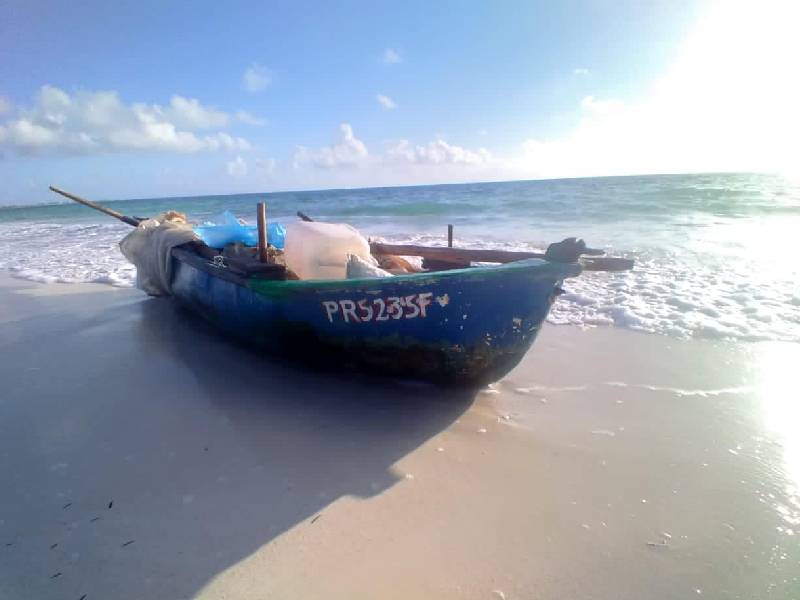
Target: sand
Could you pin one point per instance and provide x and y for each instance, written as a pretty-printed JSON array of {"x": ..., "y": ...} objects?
[{"x": 142, "y": 456}]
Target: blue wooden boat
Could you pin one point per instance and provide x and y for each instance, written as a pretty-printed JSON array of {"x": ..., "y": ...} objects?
[{"x": 463, "y": 326}]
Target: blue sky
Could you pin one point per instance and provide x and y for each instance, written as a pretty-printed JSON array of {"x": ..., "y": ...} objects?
[{"x": 133, "y": 99}]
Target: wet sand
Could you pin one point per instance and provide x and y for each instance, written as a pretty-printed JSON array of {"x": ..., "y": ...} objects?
[{"x": 142, "y": 456}]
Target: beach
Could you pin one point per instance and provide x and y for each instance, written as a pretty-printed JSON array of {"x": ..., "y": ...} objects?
[{"x": 144, "y": 456}]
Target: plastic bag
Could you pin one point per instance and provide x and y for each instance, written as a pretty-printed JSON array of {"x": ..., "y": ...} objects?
[{"x": 227, "y": 230}]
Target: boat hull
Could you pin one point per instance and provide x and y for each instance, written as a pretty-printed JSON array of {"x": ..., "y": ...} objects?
[{"x": 460, "y": 327}]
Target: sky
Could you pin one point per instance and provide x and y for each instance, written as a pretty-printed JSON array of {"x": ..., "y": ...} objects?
[{"x": 152, "y": 99}]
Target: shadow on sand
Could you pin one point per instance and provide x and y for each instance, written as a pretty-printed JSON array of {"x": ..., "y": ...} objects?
[{"x": 207, "y": 451}]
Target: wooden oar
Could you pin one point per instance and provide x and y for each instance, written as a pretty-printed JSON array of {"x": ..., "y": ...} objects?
[
  {"x": 461, "y": 255},
  {"x": 132, "y": 221}
]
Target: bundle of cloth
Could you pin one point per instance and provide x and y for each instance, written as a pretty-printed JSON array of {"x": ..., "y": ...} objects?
[{"x": 149, "y": 248}]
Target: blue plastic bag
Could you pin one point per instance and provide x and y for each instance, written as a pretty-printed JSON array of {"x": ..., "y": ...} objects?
[{"x": 228, "y": 230}]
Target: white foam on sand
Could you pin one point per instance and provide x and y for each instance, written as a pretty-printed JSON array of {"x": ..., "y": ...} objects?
[
  {"x": 680, "y": 293},
  {"x": 70, "y": 253}
]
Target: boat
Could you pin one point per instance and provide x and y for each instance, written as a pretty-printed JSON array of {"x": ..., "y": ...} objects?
[
  {"x": 462, "y": 326},
  {"x": 459, "y": 326}
]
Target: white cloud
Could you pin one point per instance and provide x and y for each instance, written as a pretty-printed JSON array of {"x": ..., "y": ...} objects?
[
  {"x": 249, "y": 119},
  {"x": 348, "y": 151},
  {"x": 437, "y": 152},
  {"x": 5, "y": 106},
  {"x": 98, "y": 122},
  {"x": 256, "y": 78},
  {"x": 434, "y": 158},
  {"x": 190, "y": 114},
  {"x": 391, "y": 57},
  {"x": 386, "y": 102},
  {"x": 580, "y": 71},
  {"x": 236, "y": 167}
]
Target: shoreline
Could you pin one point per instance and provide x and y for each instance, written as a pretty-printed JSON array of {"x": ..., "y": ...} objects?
[{"x": 608, "y": 464}]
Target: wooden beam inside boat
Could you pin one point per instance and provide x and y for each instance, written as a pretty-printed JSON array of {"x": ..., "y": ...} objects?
[
  {"x": 464, "y": 255},
  {"x": 455, "y": 255}
]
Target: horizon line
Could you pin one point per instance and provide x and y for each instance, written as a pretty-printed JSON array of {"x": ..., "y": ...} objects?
[{"x": 385, "y": 187}]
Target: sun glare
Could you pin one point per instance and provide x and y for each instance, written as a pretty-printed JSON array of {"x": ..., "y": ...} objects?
[
  {"x": 728, "y": 102},
  {"x": 777, "y": 364}
]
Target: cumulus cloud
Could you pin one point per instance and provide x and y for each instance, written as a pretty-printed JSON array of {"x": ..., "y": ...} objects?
[
  {"x": 437, "y": 152},
  {"x": 386, "y": 102},
  {"x": 256, "y": 78},
  {"x": 190, "y": 114},
  {"x": 97, "y": 122},
  {"x": 391, "y": 57},
  {"x": 249, "y": 119},
  {"x": 348, "y": 151},
  {"x": 236, "y": 167}
]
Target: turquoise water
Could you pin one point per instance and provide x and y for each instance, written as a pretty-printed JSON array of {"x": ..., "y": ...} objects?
[{"x": 714, "y": 251}]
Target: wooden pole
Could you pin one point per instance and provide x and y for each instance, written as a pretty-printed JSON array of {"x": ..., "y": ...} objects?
[
  {"x": 449, "y": 236},
  {"x": 198, "y": 245},
  {"x": 111, "y": 213},
  {"x": 262, "y": 232}
]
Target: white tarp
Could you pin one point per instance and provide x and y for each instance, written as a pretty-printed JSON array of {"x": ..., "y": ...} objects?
[{"x": 148, "y": 247}]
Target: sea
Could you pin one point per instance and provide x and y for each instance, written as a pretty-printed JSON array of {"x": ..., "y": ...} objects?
[{"x": 715, "y": 253}]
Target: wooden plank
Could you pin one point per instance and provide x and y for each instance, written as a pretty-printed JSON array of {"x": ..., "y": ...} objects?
[
  {"x": 453, "y": 255},
  {"x": 467, "y": 255}
]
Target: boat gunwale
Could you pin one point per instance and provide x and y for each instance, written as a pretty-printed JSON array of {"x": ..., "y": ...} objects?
[{"x": 555, "y": 270}]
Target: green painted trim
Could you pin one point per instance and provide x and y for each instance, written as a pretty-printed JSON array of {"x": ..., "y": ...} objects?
[{"x": 275, "y": 288}]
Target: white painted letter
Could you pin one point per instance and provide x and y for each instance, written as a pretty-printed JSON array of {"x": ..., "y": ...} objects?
[
  {"x": 331, "y": 308},
  {"x": 368, "y": 312},
  {"x": 424, "y": 300},
  {"x": 413, "y": 306},
  {"x": 349, "y": 310}
]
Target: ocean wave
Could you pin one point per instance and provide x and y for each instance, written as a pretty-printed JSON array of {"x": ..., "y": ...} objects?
[{"x": 68, "y": 253}]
